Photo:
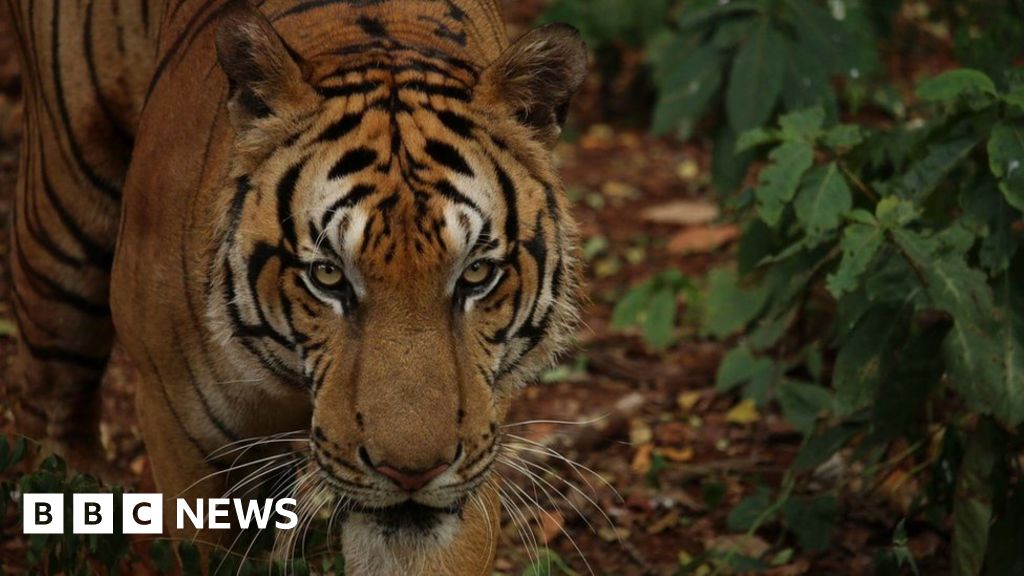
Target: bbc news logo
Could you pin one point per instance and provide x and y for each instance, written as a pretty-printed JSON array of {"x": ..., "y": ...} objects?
[{"x": 144, "y": 514}]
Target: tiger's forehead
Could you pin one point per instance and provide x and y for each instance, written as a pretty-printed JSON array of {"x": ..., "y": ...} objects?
[{"x": 397, "y": 180}]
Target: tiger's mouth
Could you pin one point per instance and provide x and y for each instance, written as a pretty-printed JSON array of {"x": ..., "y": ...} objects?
[{"x": 411, "y": 516}]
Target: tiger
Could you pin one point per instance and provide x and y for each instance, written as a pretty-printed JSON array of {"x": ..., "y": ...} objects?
[{"x": 329, "y": 231}]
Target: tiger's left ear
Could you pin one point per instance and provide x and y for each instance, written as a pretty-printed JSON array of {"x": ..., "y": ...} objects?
[
  {"x": 266, "y": 78},
  {"x": 536, "y": 78}
]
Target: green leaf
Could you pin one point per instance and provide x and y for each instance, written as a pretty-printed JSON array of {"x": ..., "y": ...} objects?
[
  {"x": 740, "y": 366},
  {"x": 843, "y": 136},
  {"x": 802, "y": 403},
  {"x": 729, "y": 308},
  {"x": 804, "y": 125},
  {"x": 983, "y": 349},
  {"x": 687, "y": 91},
  {"x": 632, "y": 306},
  {"x": 866, "y": 357},
  {"x": 822, "y": 201},
  {"x": 756, "y": 137},
  {"x": 921, "y": 179},
  {"x": 806, "y": 82},
  {"x": 901, "y": 402},
  {"x": 1006, "y": 160},
  {"x": 695, "y": 15},
  {"x": 728, "y": 165},
  {"x": 987, "y": 214},
  {"x": 756, "y": 79},
  {"x": 660, "y": 322},
  {"x": 779, "y": 181},
  {"x": 892, "y": 212},
  {"x": 972, "y": 507},
  {"x": 956, "y": 84},
  {"x": 812, "y": 520},
  {"x": 860, "y": 244},
  {"x": 750, "y": 512},
  {"x": 820, "y": 447},
  {"x": 1005, "y": 554},
  {"x": 821, "y": 36}
]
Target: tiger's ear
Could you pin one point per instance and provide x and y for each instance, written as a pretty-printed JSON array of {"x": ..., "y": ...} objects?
[
  {"x": 537, "y": 77},
  {"x": 265, "y": 77}
]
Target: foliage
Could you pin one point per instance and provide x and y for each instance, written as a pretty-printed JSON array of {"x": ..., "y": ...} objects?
[
  {"x": 82, "y": 554},
  {"x": 877, "y": 294}
]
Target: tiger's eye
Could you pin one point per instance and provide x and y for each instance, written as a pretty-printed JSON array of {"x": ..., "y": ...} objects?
[
  {"x": 477, "y": 273},
  {"x": 328, "y": 275}
]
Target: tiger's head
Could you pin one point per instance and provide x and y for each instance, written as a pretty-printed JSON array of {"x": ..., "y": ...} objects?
[{"x": 400, "y": 246}]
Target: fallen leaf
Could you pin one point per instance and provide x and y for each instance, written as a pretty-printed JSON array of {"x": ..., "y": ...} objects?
[
  {"x": 642, "y": 460},
  {"x": 613, "y": 535},
  {"x": 687, "y": 400},
  {"x": 743, "y": 413},
  {"x": 702, "y": 239},
  {"x": 899, "y": 489},
  {"x": 667, "y": 521},
  {"x": 748, "y": 545},
  {"x": 688, "y": 170},
  {"x": 620, "y": 190},
  {"x": 640, "y": 432},
  {"x": 551, "y": 525},
  {"x": 676, "y": 454},
  {"x": 598, "y": 137},
  {"x": 797, "y": 568},
  {"x": 682, "y": 213}
]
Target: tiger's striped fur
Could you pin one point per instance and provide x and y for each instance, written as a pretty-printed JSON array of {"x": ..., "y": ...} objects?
[{"x": 233, "y": 153}]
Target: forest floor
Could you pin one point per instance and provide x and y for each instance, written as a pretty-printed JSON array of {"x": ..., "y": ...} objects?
[{"x": 673, "y": 457}]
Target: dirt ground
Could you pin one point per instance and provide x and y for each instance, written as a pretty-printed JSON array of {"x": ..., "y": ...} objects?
[{"x": 648, "y": 424}]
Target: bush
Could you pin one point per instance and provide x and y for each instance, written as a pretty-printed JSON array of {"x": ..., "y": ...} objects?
[{"x": 877, "y": 293}]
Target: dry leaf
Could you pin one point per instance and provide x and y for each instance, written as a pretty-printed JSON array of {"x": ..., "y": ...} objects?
[
  {"x": 667, "y": 521},
  {"x": 551, "y": 524},
  {"x": 743, "y": 413},
  {"x": 640, "y": 432},
  {"x": 620, "y": 190},
  {"x": 676, "y": 454},
  {"x": 682, "y": 213},
  {"x": 687, "y": 400},
  {"x": 642, "y": 460},
  {"x": 688, "y": 170},
  {"x": 702, "y": 239},
  {"x": 746, "y": 544},
  {"x": 899, "y": 489}
]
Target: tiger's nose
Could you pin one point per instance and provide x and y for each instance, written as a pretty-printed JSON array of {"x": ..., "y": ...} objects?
[{"x": 411, "y": 480}]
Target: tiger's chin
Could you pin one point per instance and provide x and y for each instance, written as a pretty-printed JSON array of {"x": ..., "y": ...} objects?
[{"x": 400, "y": 539}]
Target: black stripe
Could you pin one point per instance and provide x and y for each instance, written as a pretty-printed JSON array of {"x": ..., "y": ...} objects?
[
  {"x": 451, "y": 193},
  {"x": 58, "y": 353},
  {"x": 446, "y": 155},
  {"x": 456, "y": 123},
  {"x": 340, "y": 128},
  {"x": 508, "y": 192},
  {"x": 346, "y": 90},
  {"x": 355, "y": 195},
  {"x": 97, "y": 181},
  {"x": 285, "y": 193},
  {"x": 97, "y": 254},
  {"x": 50, "y": 289},
  {"x": 353, "y": 161}
]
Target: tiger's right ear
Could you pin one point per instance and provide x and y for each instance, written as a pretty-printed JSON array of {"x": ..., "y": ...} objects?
[{"x": 265, "y": 77}]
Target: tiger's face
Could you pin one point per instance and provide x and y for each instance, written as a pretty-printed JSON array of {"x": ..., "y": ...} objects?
[{"x": 400, "y": 247}]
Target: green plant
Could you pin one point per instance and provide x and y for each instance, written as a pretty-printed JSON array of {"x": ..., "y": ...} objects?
[
  {"x": 653, "y": 305},
  {"x": 84, "y": 554},
  {"x": 900, "y": 247},
  {"x": 747, "y": 60}
]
